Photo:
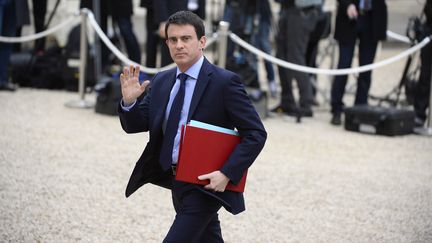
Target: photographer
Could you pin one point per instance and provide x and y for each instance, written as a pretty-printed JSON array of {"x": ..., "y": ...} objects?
[
  {"x": 365, "y": 21},
  {"x": 422, "y": 91}
]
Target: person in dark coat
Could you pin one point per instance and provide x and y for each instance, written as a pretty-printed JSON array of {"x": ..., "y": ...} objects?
[
  {"x": 296, "y": 23},
  {"x": 366, "y": 21},
  {"x": 422, "y": 91}
]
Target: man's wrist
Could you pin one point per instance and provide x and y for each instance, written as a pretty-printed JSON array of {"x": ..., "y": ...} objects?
[
  {"x": 127, "y": 106},
  {"x": 128, "y": 103}
]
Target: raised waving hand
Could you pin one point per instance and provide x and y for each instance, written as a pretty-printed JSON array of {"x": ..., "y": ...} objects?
[{"x": 130, "y": 86}]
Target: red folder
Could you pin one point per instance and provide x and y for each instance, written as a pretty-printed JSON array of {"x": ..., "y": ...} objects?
[{"x": 203, "y": 151}]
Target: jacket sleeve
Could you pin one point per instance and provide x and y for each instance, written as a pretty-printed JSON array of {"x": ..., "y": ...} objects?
[
  {"x": 137, "y": 118},
  {"x": 253, "y": 135}
]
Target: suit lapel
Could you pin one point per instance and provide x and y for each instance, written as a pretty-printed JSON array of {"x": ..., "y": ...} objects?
[{"x": 202, "y": 82}]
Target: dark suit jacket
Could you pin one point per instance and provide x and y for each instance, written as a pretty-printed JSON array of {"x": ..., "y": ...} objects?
[
  {"x": 219, "y": 99},
  {"x": 346, "y": 29}
]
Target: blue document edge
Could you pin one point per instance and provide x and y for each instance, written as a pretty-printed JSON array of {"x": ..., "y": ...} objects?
[{"x": 211, "y": 127}]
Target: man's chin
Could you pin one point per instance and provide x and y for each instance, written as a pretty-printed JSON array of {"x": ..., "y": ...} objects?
[
  {"x": 180, "y": 57},
  {"x": 180, "y": 60}
]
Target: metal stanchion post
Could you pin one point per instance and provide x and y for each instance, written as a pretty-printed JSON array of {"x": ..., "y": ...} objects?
[
  {"x": 427, "y": 131},
  {"x": 97, "y": 43},
  {"x": 222, "y": 43},
  {"x": 82, "y": 103}
]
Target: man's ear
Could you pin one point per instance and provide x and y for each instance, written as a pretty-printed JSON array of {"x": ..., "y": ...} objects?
[{"x": 202, "y": 41}]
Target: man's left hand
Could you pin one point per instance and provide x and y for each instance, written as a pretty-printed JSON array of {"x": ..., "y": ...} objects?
[{"x": 218, "y": 181}]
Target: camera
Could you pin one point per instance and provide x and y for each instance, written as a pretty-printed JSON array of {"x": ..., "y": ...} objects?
[
  {"x": 418, "y": 28},
  {"x": 415, "y": 29}
]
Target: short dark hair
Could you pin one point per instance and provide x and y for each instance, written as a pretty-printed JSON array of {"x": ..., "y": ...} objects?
[{"x": 185, "y": 18}]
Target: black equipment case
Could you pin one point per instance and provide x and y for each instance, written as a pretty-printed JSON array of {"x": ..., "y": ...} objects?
[
  {"x": 388, "y": 121},
  {"x": 108, "y": 95}
]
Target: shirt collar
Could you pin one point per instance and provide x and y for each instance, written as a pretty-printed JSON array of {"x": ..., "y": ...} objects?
[{"x": 194, "y": 70}]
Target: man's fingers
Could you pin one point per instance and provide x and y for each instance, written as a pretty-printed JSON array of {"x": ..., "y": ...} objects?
[
  {"x": 217, "y": 183},
  {"x": 204, "y": 177},
  {"x": 131, "y": 70},
  {"x": 137, "y": 71},
  {"x": 213, "y": 188},
  {"x": 125, "y": 72},
  {"x": 144, "y": 85},
  {"x": 121, "y": 78},
  {"x": 210, "y": 187}
]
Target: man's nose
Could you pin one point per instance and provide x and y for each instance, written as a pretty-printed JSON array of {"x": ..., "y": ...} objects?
[{"x": 179, "y": 44}]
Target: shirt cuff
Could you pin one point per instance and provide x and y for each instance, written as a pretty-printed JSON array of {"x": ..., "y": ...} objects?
[{"x": 126, "y": 108}]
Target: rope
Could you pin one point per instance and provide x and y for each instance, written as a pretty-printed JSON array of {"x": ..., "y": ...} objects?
[
  {"x": 345, "y": 71},
  {"x": 70, "y": 21},
  {"x": 73, "y": 20},
  {"x": 235, "y": 38},
  {"x": 121, "y": 56},
  {"x": 211, "y": 40},
  {"x": 117, "y": 52},
  {"x": 398, "y": 37}
]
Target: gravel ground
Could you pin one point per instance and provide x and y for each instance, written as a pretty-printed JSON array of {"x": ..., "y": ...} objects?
[{"x": 64, "y": 171}]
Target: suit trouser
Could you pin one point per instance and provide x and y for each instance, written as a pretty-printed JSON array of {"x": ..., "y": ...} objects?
[
  {"x": 367, "y": 50},
  {"x": 261, "y": 40},
  {"x": 165, "y": 54},
  {"x": 196, "y": 219},
  {"x": 153, "y": 39},
  {"x": 422, "y": 91},
  {"x": 295, "y": 27},
  {"x": 7, "y": 28},
  {"x": 129, "y": 37},
  {"x": 39, "y": 12}
]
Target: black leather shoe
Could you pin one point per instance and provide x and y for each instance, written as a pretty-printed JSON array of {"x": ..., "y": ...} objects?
[
  {"x": 336, "y": 120},
  {"x": 306, "y": 112},
  {"x": 7, "y": 87},
  {"x": 278, "y": 109},
  {"x": 418, "y": 122},
  {"x": 315, "y": 102},
  {"x": 291, "y": 113}
]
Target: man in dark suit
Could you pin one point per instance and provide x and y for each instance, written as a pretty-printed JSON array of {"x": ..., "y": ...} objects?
[
  {"x": 196, "y": 90},
  {"x": 296, "y": 23},
  {"x": 365, "y": 20}
]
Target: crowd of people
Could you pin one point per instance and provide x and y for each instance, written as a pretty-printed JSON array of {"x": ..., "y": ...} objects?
[{"x": 296, "y": 35}]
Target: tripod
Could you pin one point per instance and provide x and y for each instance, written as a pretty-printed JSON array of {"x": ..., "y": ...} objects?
[{"x": 407, "y": 83}]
